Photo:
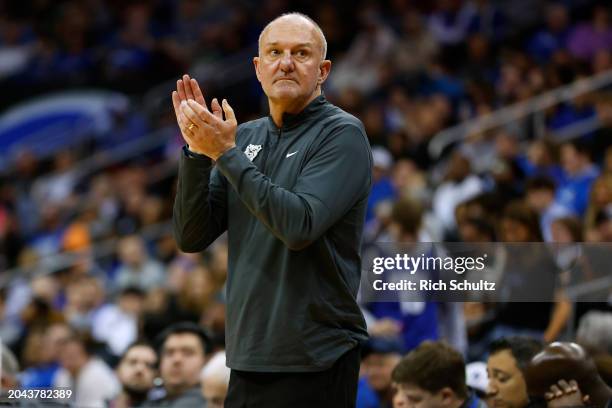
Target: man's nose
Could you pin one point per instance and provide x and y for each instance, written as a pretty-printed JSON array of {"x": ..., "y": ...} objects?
[
  {"x": 286, "y": 62},
  {"x": 491, "y": 389}
]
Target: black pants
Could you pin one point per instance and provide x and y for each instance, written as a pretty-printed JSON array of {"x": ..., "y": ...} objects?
[{"x": 335, "y": 387}]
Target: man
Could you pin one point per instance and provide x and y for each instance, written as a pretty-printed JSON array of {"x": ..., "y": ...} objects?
[
  {"x": 136, "y": 371},
  {"x": 183, "y": 354},
  {"x": 380, "y": 356},
  {"x": 508, "y": 357},
  {"x": 90, "y": 379},
  {"x": 580, "y": 173},
  {"x": 215, "y": 381},
  {"x": 541, "y": 198},
  {"x": 565, "y": 373},
  {"x": 291, "y": 189},
  {"x": 433, "y": 376}
]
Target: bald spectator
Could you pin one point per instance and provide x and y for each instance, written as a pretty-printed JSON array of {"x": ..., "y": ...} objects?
[
  {"x": 136, "y": 371},
  {"x": 137, "y": 269},
  {"x": 215, "y": 381},
  {"x": 594, "y": 331},
  {"x": 566, "y": 375}
]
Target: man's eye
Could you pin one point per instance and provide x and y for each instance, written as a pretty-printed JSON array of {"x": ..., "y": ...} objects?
[
  {"x": 502, "y": 378},
  {"x": 274, "y": 52}
]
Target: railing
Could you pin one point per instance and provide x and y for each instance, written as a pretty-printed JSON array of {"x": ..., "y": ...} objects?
[
  {"x": 534, "y": 106},
  {"x": 58, "y": 261}
]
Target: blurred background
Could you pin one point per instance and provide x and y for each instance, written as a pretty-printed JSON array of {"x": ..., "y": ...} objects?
[{"x": 489, "y": 121}]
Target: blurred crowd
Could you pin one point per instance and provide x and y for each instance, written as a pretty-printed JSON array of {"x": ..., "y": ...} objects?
[{"x": 407, "y": 69}]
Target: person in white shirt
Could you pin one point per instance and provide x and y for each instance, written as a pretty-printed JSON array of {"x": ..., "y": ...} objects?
[{"x": 91, "y": 380}]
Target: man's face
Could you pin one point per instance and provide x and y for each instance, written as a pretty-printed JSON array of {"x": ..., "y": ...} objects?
[
  {"x": 136, "y": 371},
  {"x": 507, "y": 388},
  {"x": 73, "y": 357},
  {"x": 540, "y": 199},
  {"x": 290, "y": 66},
  {"x": 182, "y": 360},
  {"x": 214, "y": 392},
  {"x": 378, "y": 368},
  {"x": 417, "y": 397}
]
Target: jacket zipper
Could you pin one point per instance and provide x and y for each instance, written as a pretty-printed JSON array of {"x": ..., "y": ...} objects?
[{"x": 272, "y": 146}]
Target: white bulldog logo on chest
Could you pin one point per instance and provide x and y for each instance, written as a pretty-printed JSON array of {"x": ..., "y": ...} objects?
[{"x": 252, "y": 151}]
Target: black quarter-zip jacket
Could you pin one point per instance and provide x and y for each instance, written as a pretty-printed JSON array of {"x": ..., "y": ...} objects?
[{"x": 294, "y": 212}]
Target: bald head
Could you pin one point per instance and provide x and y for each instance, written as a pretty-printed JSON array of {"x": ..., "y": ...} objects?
[
  {"x": 301, "y": 20},
  {"x": 564, "y": 361}
]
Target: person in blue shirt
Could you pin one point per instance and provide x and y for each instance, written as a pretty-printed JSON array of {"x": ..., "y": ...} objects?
[
  {"x": 379, "y": 356},
  {"x": 580, "y": 173},
  {"x": 411, "y": 322}
]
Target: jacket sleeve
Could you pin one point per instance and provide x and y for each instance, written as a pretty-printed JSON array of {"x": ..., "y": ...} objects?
[
  {"x": 334, "y": 178},
  {"x": 200, "y": 206}
]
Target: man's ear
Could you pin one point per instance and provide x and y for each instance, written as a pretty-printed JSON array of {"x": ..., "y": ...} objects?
[
  {"x": 256, "y": 65},
  {"x": 324, "y": 70}
]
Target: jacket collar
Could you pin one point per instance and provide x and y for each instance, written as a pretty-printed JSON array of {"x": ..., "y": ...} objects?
[{"x": 291, "y": 120}]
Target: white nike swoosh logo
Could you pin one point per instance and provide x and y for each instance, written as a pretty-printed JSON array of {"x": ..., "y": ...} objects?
[{"x": 291, "y": 154}]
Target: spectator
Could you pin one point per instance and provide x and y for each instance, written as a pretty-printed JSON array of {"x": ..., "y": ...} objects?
[
  {"x": 433, "y": 375},
  {"x": 534, "y": 304},
  {"x": 415, "y": 47},
  {"x": 567, "y": 361},
  {"x": 580, "y": 173},
  {"x": 136, "y": 371},
  {"x": 566, "y": 230},
  {"x": 507, "y": 360},
  {"x": 459, "y": 185},
  {"x": 600, "y": 197},
  {"x": 9, "y": 376},
  {"x": 594, "y": 331},
  {"x": 90, "y": 379},
  {"x": 215, "y": 381},
  {"x": 409, "y": 322},
  {"x": 358, "y": 69},
  {"x": 554, "y": 36},
  {"x": 41, "y": 374},
  {"x": 382, "y": 188},
  {"x": 399, "y": 399},
  {"x": 450, "y": 22},
  {"x": 183, "y": 351},
  {"x": 116, "y": 324},
  {"x": 379, "y": 356},
  {"x": 588, "y": 38},
  {"x": 136, "y": 268},
  {"x": 541, "y": 198},
  {"x": 84, "y": 297}
]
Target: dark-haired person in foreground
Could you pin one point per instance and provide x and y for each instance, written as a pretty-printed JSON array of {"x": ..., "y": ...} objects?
[
  {"x": 433, "y": 376},
  {"x": 508, "y": 357},
  {"x": 291, "y": 191},
  {"x": 182, "y": 355},
  {"x": 136, "y": 371}
]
